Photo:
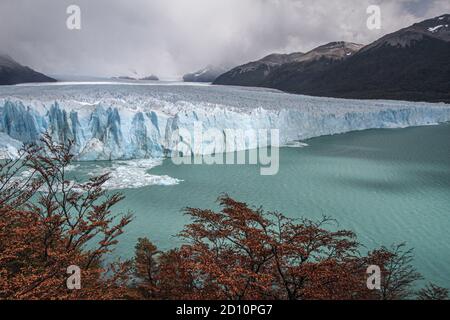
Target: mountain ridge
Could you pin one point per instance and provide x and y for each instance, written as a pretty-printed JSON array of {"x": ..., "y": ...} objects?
[
  {"x": 207, "y": 74},
  {"x": 255, "y": 72},
  {"x": 262, "y": 72},
  {"x": 11, "y": 72},
  {"x": 410, "y": 64}
]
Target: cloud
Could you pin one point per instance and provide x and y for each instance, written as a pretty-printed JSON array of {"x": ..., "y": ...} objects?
[{"x": 171, "y": 37}]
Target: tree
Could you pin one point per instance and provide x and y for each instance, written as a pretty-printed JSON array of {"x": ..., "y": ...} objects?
[
  {"x": 399, "y": 275},
  {"x": 48, "y": 223},
  {"x": 433, "y": 292},
  {"x": 145, "y": 267},
  {"x": 242, "y": 253}
]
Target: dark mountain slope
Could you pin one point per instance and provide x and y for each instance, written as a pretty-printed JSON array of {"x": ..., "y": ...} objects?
[
  {"x": 289, "y": 76},
  {"x": 411, "y": 64},
  {"x": 253, "y": 74},
  {"x": 12, "y": 72}
]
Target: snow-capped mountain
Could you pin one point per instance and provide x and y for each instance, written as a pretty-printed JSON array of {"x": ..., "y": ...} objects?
[
  {"x": 125, "y": 121},
  {"x": 208, "y": 74},
  {"x": 437, "y": 28},
  {"x": 11, "y": 72},
  {"x": 410, "y": 64}
]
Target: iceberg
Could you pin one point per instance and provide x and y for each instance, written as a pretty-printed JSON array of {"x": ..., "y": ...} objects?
[
  {"x": 133, "y": 174},
  {"x": 116, "y": 121}
]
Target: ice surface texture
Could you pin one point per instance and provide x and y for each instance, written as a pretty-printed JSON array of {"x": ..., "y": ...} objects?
[{"x": 110, "y": 121}]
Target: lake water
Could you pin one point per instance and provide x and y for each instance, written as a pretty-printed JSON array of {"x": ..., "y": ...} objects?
[{"x": 389, "y": 186}]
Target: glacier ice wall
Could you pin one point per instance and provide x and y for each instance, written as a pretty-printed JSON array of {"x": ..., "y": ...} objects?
[{"x": 120, "y": 121}]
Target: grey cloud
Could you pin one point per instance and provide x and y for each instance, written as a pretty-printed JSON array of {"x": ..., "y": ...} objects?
[{"x": 171, "y": 37}]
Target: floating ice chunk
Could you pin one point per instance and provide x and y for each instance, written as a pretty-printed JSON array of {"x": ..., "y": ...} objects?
[
  {"x": 133, "y": 174},
  {"x": 296, "y": 144},
  {"x": 9, "y": 147}
]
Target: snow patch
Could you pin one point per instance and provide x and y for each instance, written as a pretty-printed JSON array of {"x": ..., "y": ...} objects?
[{"x": 435, "y": 29}]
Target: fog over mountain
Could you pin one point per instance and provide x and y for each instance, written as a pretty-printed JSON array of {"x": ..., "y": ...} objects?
[{"x": 173, "y": 37}]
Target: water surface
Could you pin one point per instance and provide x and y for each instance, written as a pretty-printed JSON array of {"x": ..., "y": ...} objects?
[{"x": 389, "y": 186}]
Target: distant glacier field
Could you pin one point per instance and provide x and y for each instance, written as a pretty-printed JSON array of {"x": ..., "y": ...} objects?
[{"x": 123, "y": 121}]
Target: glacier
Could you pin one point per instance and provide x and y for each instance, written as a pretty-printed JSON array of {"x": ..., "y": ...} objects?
[{"x": 121, "y": 121}]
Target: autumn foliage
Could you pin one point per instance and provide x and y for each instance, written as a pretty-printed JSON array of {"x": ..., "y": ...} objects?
[
  {"x": 244, "y": 253},
  {"x": 49, "y": 221}
]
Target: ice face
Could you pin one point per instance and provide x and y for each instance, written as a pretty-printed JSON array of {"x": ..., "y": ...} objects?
[{"x": 124, "y": 122}]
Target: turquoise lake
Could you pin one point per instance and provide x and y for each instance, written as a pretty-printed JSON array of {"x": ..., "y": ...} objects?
[{"x": 389, "y": 186}]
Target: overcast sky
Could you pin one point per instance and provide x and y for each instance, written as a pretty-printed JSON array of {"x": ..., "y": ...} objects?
[{"x": 172, "y": 37}]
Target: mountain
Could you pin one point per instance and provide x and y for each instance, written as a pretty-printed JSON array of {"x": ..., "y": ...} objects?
[
  {"x": 151, "y": 77},
  {"x": 410, "y": 64},
  {"x": 208, "y": 74},
  {"x": 283, "y": 70},
  {"x": 253, "y": 74},
  {"x": 11, "y": 72},
  {"x": 127, "y": 78},
  {"x": 290, "y": 75}
]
